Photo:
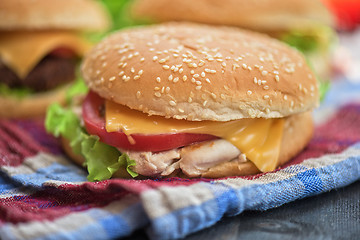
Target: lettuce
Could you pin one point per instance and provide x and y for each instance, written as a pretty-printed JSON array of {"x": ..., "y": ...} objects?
[
  {"x": 77, "y": 88},
  {"x": 14, "y": 92},
  {"x": 102, "y": 160}
]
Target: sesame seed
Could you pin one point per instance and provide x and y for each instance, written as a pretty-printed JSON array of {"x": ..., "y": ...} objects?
[
  {"x": 255, "y": 80},
  {"x": 213, "y": 71},
  {"x": 266, "y": 87},
  {"x": 285, "y": 97},
  {"x": 223, "y": 96},
  {"x": 198, "y": 87},
  {"x": 104, "y": 64},
  {"x": 121, "y": 73},
  {"x": 193, "y": 80},
  {"x": 203, "y": 74},
  {"x": 166, "y": 67},
  {"x": 184, "y": 78},
  {"x": 196, "y": 75},
  {"x": 226, "y": 88},
  {"x": 207, "y": 80},
  {"x": 264, "y": 73},
  {"x": 170, "y": 78},
  {"x": 138, "y": 94},
  {"x": 136, "y": 53},
  {"x": 223, "y": 64},
  {"x": 244, "y": 66},
  {"x": 157, "y": 94},
  {"x": 162, "y": 60},
  {"x": 112, "y": 78},
  {"x": 132, "y": 70},
  {"x": 181, "y": 70},
  {"x": 192, "y": 72},
  {"x": 142, "y": 59},
  {"x": 181, "y": 110},
  {"x": 266, "y": 97},
  {"x": 189, "y": 99},
  {"x": 207, "y": 70},
  {"x": 176, "y": 79},
  {"x": 136, "y": 77},
  {"x": 204, "y": 103},
  {"x": 124, "y": 65},
  {"x": 198, "y": 83},
  {"x": 249, "y": 92},
  {"x": 167, "y": 89},
  {"x": 155, "y": 58},
  {"x": 277, "y": 78},
  {"x": 172, "y": 103},
  {"x": 158, "y": 79}
]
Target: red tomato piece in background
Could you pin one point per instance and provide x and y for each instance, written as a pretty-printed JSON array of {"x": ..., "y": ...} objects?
[
  {"x": 346, "y": 11},
  {"x": 95, "y": 125},
  {"x": 63, "y": 52}
]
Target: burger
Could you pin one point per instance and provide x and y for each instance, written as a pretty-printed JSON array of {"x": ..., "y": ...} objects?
[
  {"x": 306, "y": 25},
  {"x": 188, "y": 100},
  {"x": 40, "y": 44}
]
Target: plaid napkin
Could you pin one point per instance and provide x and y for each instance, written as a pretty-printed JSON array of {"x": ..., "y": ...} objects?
[{"x": 44, "y": 196}]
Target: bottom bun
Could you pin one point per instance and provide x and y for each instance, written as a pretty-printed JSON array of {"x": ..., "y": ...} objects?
[
  {"x": 34, "y": 105},
  {"x": 298, "y": 131}
]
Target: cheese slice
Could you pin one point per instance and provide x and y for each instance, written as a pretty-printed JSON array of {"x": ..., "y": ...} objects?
[
  {"x": 22, "y": 51},
  {"x": 259, "y": 139}
]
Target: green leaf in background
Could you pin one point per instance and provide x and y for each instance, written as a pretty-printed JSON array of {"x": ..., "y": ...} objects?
[
  {"x": 77, "y": 88},
  {"x": 14, "y": 92}
]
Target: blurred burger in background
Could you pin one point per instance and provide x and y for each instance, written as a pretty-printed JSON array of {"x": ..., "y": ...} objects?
[
  {"x": 41, "y": 43},
  {"x": 306, "y": 25}
]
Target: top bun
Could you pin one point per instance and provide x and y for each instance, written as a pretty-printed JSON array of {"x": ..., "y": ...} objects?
[
  {"x": 54, "y": 14},
  {"x": 199, "y": 72},
  {"x": 262, "y": 15}
]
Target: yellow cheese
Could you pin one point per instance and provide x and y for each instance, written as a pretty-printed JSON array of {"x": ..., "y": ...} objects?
[
  {"x": 22, "y": 51},
  {"x": 259, "y": 139}
]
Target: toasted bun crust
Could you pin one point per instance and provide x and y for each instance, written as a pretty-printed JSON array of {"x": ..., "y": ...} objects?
[
  {"x": 198, "y": 72},
  {"x": 54, "y": 14},
  {"x": 265, "y": 15},
  {"x": 34, "y": 105},
  {"x": 298, "y": 131}
]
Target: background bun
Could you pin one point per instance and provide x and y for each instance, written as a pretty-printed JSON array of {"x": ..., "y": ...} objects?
[
  {"x": 34, "y": 105},
  {"x": 199, "y": 72},
  {"x": 54, "y": 14},
  {"x": 264, "y": 15}
]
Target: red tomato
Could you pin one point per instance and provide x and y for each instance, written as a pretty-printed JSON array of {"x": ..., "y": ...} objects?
[
  {"x": 347, "y": 12},
  {"x": 63, "y": 52},
  {"x": 95, "y": 125}
]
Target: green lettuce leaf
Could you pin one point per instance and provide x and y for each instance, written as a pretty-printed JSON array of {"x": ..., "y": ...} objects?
[
  {"x": 14, "y": 92},
  {"x": 102, "y": 160},
  {"x": 77, "y": 88}
]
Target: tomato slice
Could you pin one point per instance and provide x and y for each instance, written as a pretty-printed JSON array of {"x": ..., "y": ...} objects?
[
  {"x": 63, "y": 52},
  {"x": 95, "y": 125}
]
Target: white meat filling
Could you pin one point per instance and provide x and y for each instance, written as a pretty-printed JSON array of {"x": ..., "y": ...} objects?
[{"x": 193, "y": 160}]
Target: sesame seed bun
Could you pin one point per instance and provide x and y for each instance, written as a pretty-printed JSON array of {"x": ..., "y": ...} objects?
[
  {"x": 262, "y": 15},
  {"x": 55, "y": 14},
  {"x": 198, "y": 72}
]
